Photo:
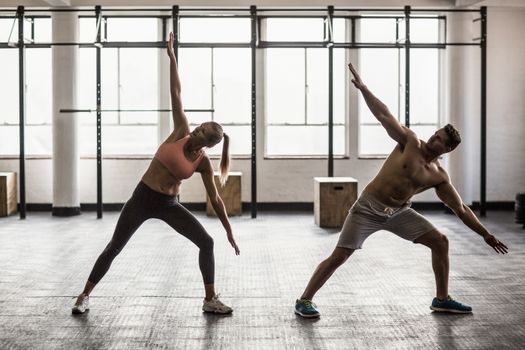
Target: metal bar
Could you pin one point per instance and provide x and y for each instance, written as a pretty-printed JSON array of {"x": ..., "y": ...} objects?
[
  {"x": 287, "y": 44},
  {"x": 321, "y": 9},
  {"x": 443, "y": 10},
  {"x": 367, "y": 9},
  {"x": 199, "y": 9},
  {"x": 215, "y": 45},
  {"x": 22, "y": 112},
  {"x": 407, "y": 66},
  {"x": 127, "y": 16},
  {"x": 212, "y": 80},
  {"x": 330, "y": 93},
  {"x": 98, "y": 13},
  {"x": 483, "y": 151},
  {"x": 32, "y": 30},
  {"x": 253, "y": 44},
  {"x": 369, "y": 45},
  {"x": 229, "y": 15},
  {"x": 175, "y": 29},
  {"x": 352, "y": 42},
  {"x": 293, "y": 17},
  {"x": 70, "y": 110},
  {"x": 127, "y": 44},
  {"x": 162, "y": 44},
  {"x": 57, "y": 10}
]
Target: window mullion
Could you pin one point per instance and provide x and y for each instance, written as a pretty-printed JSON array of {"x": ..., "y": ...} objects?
[
  {"x": 119, "y": 87},
  {"x": 306, "y": 86},
  {"x": 212, "y": 84}
]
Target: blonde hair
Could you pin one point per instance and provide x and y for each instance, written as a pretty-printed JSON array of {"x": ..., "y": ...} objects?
[
  {"x": 225, "y": 159},
  {"x": 224, "y": 165}
]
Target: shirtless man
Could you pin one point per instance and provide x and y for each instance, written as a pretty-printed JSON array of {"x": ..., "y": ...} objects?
[{"x": 411, "y": 168}]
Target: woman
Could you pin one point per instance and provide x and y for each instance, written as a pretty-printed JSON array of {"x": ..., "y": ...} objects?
[{"x": 155, "y": 196}]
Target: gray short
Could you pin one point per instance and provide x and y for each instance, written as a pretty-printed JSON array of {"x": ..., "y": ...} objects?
[{"x": 368, "y": 215}]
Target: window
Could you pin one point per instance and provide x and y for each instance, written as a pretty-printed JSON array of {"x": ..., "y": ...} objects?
[
  {"x": 216, "y": 82},
  {"x": 215, "y": 30},
  {"x": 130, "y": 90},
  {"x": 9, "y": 117},
  {"x": 38, "y": 88},
  {"x": 296, "y": 91},
  {"x": 295, "y": 29},
  {"x": 383, "y": 71}
]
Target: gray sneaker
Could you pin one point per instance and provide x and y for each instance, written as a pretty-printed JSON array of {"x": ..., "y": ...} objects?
[
  {"x": 81, "y": 305},
  {"x": 216, "y": 306}
]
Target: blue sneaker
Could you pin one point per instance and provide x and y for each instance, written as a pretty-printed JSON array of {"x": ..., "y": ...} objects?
[
  {"x": 306, "y": 308},
  {"x": 450, "y": 305}
]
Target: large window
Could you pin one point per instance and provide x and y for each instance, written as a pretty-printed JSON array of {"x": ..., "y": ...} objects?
[
  {"x": 130, "y": 88},
  {"x": 216, "y": 81},
  {"x": 383, "y": 71},
  {"x": 38, "y": 87},
  {"x": 296, "y": 91}
]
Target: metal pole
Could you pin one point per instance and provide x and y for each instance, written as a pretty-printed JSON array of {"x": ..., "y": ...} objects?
[
  {"x": 330, "y": 92},
  {"x": 99, "y": 114},
  {"x": 175, "y": 21},
  {"x": 407, "y": 66},
  {"x": 22, "y": 112},
  {"x": 253, "y": 44},
  {"x": 483, "y": 152}
]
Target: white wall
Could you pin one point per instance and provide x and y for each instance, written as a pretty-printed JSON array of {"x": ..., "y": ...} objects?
[
  {"x": 290, "y": 180},
  {"x": 506, "y": 103}
]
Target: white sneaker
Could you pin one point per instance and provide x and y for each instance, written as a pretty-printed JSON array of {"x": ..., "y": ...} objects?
[
  {"x": 216, "y": 306},
  {"x": 81, "y": 305}
]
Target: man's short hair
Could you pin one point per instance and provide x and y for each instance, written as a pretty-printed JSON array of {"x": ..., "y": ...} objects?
[{"x": 454, "y": 139}]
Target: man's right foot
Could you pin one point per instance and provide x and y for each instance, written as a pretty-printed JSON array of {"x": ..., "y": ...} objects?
[
  {"x": 81, "y": 305},
  {"x": 450, "y": 305},
  {"x": 306, "y": 308}
]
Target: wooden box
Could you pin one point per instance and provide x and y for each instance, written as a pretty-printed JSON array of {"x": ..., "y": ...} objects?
[
  {"x": 333, "y": 197},
  {"x": 8, "y": 197},
  {"x": 230, "y": 194}
]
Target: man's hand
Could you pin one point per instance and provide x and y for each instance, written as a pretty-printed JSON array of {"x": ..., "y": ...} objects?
[
  {"x": 498, "y": 246},
  {"x": 358, "y": 83},
  {"x": 233, "y": 243},
  {"x": 171, "y": 52}
]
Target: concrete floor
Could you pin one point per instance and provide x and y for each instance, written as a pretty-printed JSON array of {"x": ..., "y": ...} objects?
[{"x": 152, "y": 295}]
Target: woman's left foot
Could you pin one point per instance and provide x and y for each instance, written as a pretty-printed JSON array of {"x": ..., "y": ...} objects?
[
  {"x": 81, "y": 305},
  {"x": 216, "y": 306}
]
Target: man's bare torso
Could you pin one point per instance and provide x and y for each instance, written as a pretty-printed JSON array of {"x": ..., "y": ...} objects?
[{"x": 405, "y": 173}]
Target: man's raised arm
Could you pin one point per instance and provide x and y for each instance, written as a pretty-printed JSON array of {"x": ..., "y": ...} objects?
[{"x": 395, "y": 130}]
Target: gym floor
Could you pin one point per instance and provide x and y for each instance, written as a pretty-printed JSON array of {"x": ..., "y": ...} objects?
[{"x": 152, "y": 295}]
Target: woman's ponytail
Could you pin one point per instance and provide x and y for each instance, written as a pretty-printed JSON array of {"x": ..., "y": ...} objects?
[{"x": 225, "y": 159}]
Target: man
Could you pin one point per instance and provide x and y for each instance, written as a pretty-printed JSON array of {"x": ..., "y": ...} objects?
[{"x": 411, "y": 168}]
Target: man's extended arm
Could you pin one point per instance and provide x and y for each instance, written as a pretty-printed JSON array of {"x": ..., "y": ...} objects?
[
  {"x": 448, "y": 194},
  {"x": 394, "y": 129}
]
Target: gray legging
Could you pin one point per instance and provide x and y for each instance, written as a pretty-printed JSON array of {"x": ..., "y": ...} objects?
[{"x": 145, "y": 204}]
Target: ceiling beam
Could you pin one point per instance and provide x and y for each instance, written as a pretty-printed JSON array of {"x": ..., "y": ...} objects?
[
  {"x": 464, "y": 3},
  {"x": 54, "y": 3}
]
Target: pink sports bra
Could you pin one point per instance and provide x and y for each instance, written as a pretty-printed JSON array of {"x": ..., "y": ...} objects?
[{"x": 171, "y": 155}]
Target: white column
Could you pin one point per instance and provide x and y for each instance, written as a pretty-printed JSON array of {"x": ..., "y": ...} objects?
[
  {"x": 165, "y": 121},
  {"x": 463, "y": 96},
  {"x": 65, "y": 125}
]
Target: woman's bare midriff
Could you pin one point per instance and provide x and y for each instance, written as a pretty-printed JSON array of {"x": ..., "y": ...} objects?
[{"x": 159, "y": 179}]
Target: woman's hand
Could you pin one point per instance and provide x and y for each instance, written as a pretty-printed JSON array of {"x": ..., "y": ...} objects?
[
  {"x": 358, "y": 83},
  {"x": 171, "y": 52},
  {"x": 233, "y": 243}
]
